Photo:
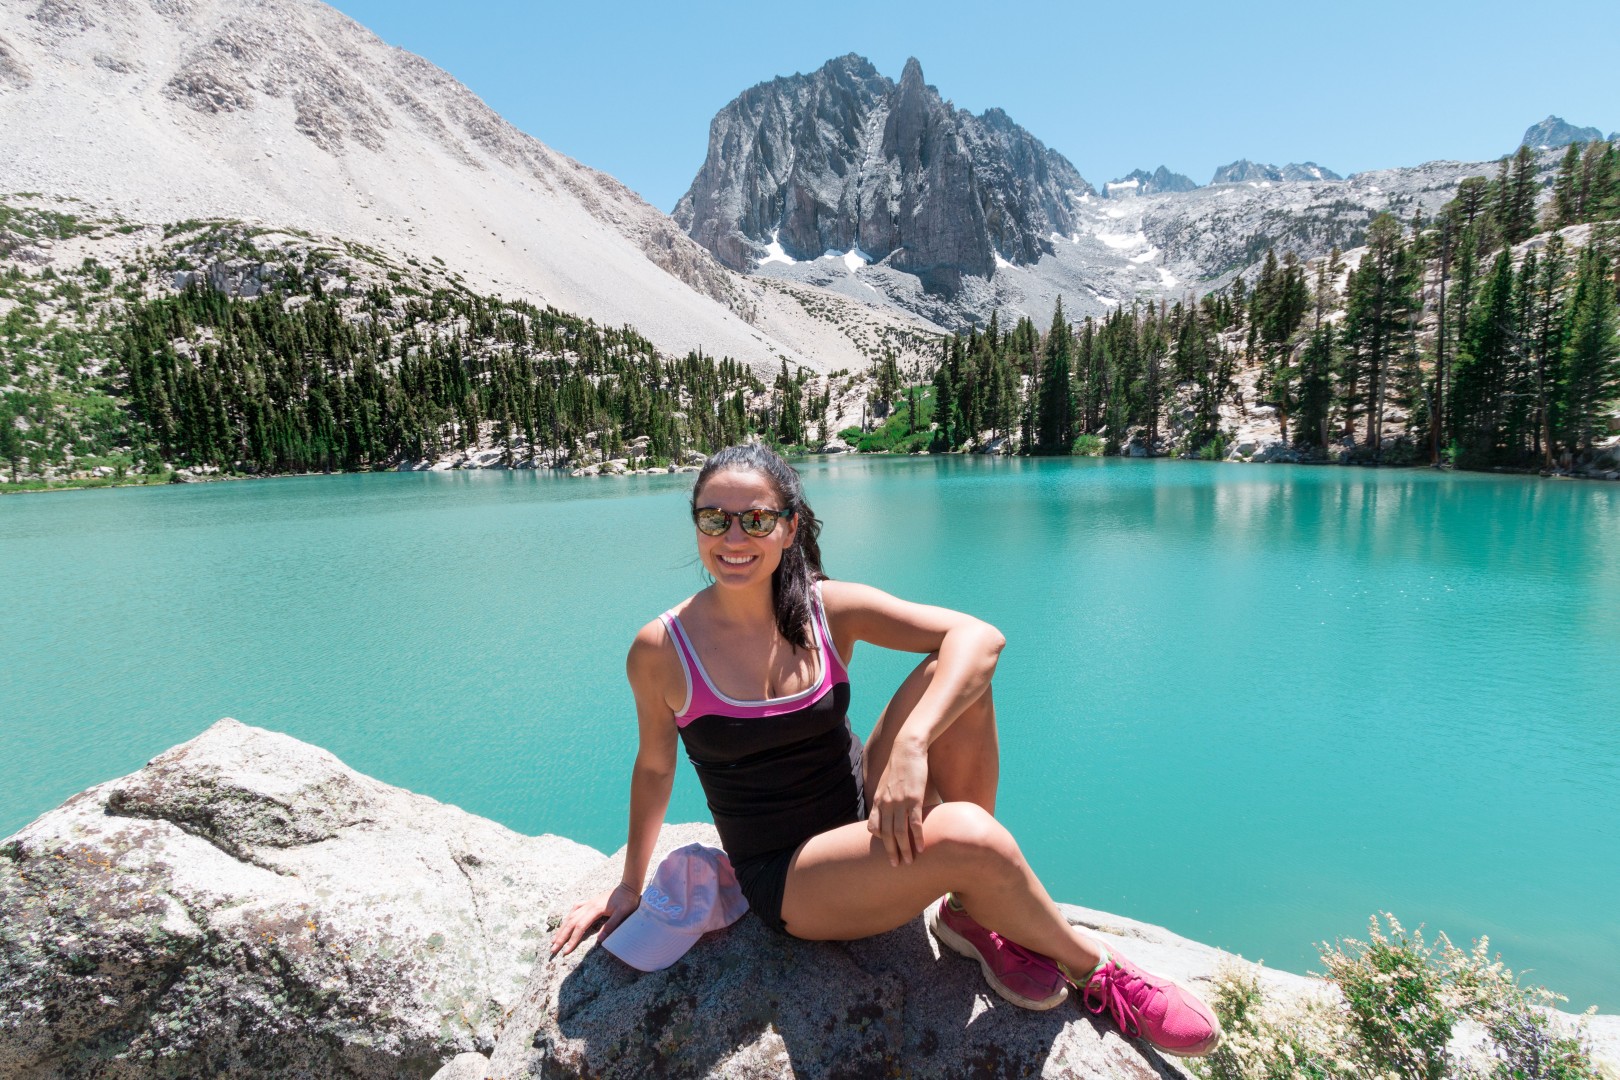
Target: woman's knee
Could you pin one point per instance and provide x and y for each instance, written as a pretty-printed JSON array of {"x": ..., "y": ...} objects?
[{"x": 968, "y": 833}]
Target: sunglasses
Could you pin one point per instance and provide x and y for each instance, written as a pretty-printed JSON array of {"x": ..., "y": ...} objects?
[{"x": 755, "y": 521}]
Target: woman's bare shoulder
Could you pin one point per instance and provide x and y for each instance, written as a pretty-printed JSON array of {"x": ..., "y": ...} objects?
[{"x": 653, "y": 662}]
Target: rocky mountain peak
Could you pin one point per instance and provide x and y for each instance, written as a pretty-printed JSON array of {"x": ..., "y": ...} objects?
[
  {"x": 1555, "y": 131},
  {"x": 1245, "y": 171},
  {"x": 1308, "y": 170},
  {"x": 845, "y": 161},
  {"x": 1142, "y": 182}
]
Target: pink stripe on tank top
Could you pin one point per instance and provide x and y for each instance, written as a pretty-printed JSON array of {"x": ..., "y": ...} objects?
[{"x": 703, "y": 698}]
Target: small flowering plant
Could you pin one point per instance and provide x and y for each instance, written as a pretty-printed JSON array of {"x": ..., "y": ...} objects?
[{"x": 1404, "y": 1009}]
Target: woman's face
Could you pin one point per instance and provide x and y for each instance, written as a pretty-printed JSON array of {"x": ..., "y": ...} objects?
[{"x": 735, "y": 559}]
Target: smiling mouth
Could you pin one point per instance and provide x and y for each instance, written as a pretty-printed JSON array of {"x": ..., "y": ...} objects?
[{"x": 738, "y": 560}]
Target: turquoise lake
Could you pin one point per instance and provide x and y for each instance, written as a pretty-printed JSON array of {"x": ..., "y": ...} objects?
[{"x": 1252, "y": 704}]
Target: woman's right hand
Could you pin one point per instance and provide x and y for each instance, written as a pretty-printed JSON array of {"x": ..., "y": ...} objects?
[{"x": 615, "y": 905}]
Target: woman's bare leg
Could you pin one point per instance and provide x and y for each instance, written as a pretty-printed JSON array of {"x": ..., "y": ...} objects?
[
  {"x": 964, "y": 763},
  {"x": 840, "y": 885}
]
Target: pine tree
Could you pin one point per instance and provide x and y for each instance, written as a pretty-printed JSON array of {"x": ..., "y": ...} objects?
[
  {"x": 1378, "y": 324},
  {"x": 1564, "y": 209},
  {"x": 1324, "y": 295},
  {"x": 1468, "y": 208},
  {"x": 1316, "y": 367},
  {"x": 11, "y": 441},
  {"x": 1545, "y": 332},
  {"x": 1056, "y": 432},
  {"x": 944, "y": 406},
  {"x": 886, "y": 385},
  {"x": 1591, "y": 370},
  {"x": 1518, "y": 199},
  {"x": 1483, "y": 366},
  {"x": 1594, "y": 190}
]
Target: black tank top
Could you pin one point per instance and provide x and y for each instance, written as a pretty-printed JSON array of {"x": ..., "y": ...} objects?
[{"x": 775, "y": 772}]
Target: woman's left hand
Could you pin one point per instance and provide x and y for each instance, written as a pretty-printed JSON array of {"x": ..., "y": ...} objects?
[{"x": 897, "y": 805}]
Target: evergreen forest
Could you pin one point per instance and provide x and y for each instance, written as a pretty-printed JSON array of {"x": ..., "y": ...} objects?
[{"x": 1484, "y": 336}]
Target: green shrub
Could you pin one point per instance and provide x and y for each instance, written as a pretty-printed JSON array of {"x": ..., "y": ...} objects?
[
  {"x": 1087, "y": 446},
  {"x": 1267, "y": 1041},
  {"x": 1398, "y": 1002},
  {"x": 1401, "y": 1006}
]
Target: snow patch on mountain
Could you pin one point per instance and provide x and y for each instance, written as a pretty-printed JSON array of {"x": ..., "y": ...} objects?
[{"x": 774, "y": 252}]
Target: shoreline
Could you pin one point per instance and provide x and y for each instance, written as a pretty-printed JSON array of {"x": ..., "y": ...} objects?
[{"x": 101, "y": 483}]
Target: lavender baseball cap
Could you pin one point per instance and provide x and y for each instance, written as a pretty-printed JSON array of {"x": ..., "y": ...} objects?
[{"x": 693, "y": 891}]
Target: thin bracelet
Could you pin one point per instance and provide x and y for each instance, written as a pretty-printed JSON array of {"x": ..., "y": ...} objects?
[{"x": 626, "y": 885}]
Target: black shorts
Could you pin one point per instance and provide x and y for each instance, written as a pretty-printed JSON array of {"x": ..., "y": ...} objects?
[{"x": 763, "y": 880}]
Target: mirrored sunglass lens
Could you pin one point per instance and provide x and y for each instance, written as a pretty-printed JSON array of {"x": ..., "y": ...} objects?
[
  {"x": 758, "y": 522},
  {"x": 712, "y": 522}
]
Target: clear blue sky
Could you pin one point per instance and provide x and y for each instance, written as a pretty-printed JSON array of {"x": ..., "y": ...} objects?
[{"x": 630, "y": 88}]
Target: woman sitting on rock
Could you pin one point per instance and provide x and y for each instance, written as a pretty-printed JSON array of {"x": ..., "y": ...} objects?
[{"x": 829, "y": 843}]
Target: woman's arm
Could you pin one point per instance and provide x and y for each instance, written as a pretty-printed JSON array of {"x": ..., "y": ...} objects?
[
  {"x": 648, "y": 668},
  {"x": 968, "y": 648},
  {"x": 652, "y": 776},
  {"x": 967, "y": 651}
]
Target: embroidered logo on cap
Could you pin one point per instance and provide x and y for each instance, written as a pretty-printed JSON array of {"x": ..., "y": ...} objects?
[{"x": 661, "y": 900}]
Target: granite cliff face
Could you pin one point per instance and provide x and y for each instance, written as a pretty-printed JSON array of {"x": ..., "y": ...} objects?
[{"x": 844, "y": 160}]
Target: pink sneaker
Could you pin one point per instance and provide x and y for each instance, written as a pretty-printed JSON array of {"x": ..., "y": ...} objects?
[
  {"x": 1154, "y": 1009},
  {"x": 1027, "y": 979}
]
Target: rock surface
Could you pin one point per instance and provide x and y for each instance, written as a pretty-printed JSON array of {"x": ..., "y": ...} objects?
[
  {"x": 746, "y": 1002},
  {"x": 883, "y": 191},
  {"x": 1555, "y": 132},
  {"x": 1142, "y": 182},
  {"x": 247, "y": 904},
  {"x": 844, "y": 160}
]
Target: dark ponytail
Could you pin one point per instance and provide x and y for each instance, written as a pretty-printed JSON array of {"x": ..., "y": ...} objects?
[{"x": 795, "y": 578}]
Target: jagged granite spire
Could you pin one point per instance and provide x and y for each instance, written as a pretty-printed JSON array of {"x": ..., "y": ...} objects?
[{"x": 843, "y": 158}]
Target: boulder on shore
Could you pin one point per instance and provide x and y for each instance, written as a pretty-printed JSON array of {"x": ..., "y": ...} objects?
[{"x": 247, "y": 905}]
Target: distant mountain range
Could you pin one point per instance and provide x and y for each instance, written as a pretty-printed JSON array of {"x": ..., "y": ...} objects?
[
  {"x": 1141, "y": 182},
  {"x": 833, "y": 212},
  {"x": 1242, "y": 171},
  {"x": 847, "y": 180}
]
